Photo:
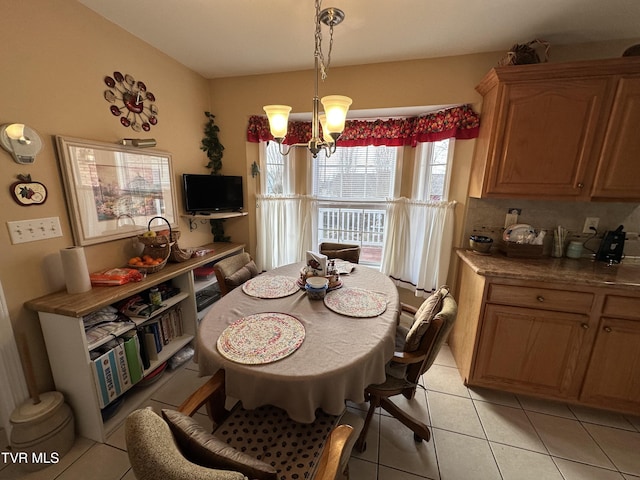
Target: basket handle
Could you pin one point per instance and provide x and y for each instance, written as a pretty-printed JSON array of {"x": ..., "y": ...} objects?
[{"x": 161, "y": 218}]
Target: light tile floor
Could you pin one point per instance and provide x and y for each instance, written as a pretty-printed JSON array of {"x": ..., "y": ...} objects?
[{"x": 477, "y": 434}]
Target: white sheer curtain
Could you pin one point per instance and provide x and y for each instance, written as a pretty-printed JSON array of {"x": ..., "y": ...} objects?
[
  {"x": 286, "y": 223},
  {"x": 418, "y": 242},
  {"x": 286, "y": 229}
]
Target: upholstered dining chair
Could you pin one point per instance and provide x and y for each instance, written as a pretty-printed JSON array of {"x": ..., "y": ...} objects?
[
  {"x": 343, "y": 251},
  {"x": 417, "y": 346},
  {"x": 233, "y": 271},
  {"x": 261, "y": 444}
]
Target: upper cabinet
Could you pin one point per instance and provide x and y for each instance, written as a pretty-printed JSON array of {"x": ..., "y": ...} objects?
[
  {"x": 559, "y": 131},
  {"x": 619, "y": 161}
]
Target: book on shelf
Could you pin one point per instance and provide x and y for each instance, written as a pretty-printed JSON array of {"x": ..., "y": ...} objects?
[
  {"x": 122, "y": 367},
  {"x": 144, "y": 354},
  {"x": 154, "y": 328},
  {"x": 150, "y": 342},
  {"x": 134, "y": 357},
  {"x": 106, "y": 376}
]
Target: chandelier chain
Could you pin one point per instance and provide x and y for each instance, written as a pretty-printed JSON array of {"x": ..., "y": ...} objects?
[{"x": 324, "y": 67}]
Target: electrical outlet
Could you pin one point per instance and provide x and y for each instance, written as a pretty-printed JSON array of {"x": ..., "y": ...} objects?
[
  {"x": 23, "y": 231},
  {"x": 590, "y": 222}
]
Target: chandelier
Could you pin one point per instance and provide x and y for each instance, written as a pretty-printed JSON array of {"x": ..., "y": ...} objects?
[{"x": 335, "y": 106}]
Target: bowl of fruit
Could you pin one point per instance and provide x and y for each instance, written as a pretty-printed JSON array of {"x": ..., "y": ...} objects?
[{"x": 151, "y": 260}]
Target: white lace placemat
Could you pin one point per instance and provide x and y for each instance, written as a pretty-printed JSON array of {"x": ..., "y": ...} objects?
[
  {"x": 270, "y": 286},
  {"x": 261, "y": 338},
  {"x": 356, "y": 302}
]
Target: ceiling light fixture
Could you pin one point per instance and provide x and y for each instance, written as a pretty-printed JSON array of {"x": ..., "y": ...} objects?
[{"x": 335, "y": 106}]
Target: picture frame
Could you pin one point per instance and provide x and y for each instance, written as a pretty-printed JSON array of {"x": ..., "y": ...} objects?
[{"x": 113, "y": 191}]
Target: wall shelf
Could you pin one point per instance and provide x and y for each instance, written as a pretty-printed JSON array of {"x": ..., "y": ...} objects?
[{"x": 203, "y": 218}]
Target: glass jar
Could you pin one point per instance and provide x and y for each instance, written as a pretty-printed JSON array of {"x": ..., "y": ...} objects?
[
  {"x": 574, "y": 250},
  {"x": 155, "y": 298}
]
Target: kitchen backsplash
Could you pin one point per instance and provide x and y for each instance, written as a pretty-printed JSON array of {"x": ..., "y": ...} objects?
[{"x": 487, "y": 217}]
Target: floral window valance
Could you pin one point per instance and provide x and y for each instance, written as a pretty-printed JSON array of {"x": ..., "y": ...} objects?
[{"x": 457, "y": 122}]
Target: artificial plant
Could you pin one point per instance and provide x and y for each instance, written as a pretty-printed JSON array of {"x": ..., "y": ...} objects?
[
  {"x": 214, "y": 150},
  {"x": 211, "y": 144}
]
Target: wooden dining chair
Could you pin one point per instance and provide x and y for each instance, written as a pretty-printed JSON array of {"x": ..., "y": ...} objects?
[
  {"x": 233, "y": 271},
  {"x": 417, "y": 346},
  {"x": 176, "y": 447},
  {"x": 343, "y": 251}
]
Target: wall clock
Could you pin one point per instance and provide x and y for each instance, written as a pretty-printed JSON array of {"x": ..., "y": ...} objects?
[{"x": 131, "y": 101}]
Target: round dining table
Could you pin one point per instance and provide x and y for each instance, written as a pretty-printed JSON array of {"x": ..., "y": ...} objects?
[{"x": 338, "y": 357}]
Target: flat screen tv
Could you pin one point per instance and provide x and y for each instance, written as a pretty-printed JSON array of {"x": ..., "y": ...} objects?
[{"x": 212, "y": 193}]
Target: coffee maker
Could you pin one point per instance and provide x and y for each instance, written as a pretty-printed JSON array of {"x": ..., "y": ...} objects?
[{"x": 611, "y": 247}]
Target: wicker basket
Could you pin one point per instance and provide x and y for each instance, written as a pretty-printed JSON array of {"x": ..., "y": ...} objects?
[
  {"x": 176, "y": 255},
  {"x": 160, "y": 251},
  {"x": 159, "y": 240},
  {"x": 518, "y": 250},
  {"x": 525, "y": 53}
]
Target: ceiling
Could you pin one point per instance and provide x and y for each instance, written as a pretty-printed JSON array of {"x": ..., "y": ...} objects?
[{"x": 222, "y": 38}]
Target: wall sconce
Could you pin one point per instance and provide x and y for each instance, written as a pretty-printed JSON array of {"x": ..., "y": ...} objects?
[
  {"x": 138, "y": 142},
  {"x": 21, "y": 142}
]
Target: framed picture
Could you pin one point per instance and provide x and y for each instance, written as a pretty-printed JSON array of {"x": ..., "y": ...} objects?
[{"x": 113, "y": 191}]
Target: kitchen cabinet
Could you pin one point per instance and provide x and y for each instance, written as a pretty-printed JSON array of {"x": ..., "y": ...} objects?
[
  {"x": 559, "y": 131},
  {"x": 532, "y": 338},
  {"x": 618, "y": 163},
  {"x": 561, "y": 341},
  {"x": 612, "y": 378},
  {"x": 70, "y": 352}
]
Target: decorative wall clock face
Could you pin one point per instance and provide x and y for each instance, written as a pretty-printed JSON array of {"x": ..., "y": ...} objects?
[{"x": 131, "y": 101}]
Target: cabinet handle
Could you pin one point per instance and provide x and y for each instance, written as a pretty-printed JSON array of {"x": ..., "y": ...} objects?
[
  {"x": 585, "y": 326},
  {"x": 581, "y": 185},
  {"x": 540, "y": 298},
  {"x": 607, "y": 329}
]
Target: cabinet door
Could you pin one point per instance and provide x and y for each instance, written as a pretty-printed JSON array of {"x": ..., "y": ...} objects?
[
  {"x": 545, "y": 138},
  {"x": 618, "y": 175},
  {"x": 612, "y": 378},
  {"x": 530, "y": 351}
]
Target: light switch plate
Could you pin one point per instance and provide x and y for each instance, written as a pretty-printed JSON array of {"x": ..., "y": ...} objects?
[{"x": 23, "y": 231}]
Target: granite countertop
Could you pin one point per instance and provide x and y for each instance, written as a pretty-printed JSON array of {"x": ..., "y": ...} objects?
[{"x": 582, "y": 271}]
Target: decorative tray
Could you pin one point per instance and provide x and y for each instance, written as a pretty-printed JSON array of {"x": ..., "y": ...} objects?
[{"x": 261, "y": 338}]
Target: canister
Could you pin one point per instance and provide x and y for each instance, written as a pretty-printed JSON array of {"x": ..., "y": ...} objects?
[
  {"x": 155, "y": 297},
  {"x": 574, "y": 250}
]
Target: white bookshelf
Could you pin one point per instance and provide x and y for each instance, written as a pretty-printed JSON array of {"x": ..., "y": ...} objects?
[{"x": 61, "y": 318}]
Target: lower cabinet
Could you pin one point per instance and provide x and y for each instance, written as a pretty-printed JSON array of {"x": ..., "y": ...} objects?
[
  {"x": 613, "y": 378},
  {"x": 532, "y": 350},
  {"x": 556, "y": 341}
]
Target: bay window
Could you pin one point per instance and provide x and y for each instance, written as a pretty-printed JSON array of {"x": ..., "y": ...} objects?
[{"x": 385, "y": 188}]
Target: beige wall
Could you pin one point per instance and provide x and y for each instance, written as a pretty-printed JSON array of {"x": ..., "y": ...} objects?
[{"x": 54, "y": 58}]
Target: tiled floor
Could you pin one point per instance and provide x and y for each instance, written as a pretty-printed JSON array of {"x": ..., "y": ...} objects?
[{"x": 477, "y": 434}]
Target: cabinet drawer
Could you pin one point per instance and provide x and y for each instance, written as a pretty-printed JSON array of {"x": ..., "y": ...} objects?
[
  {"x": 618, "y": 306},
  {"x": 544, "y": 298}
]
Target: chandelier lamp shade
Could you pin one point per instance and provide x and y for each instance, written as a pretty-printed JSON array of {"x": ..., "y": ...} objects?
[{"x": 335, "y": 106}]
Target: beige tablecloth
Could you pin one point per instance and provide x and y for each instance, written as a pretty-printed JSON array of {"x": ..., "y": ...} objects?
[{"x": 339, "y": 358}]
